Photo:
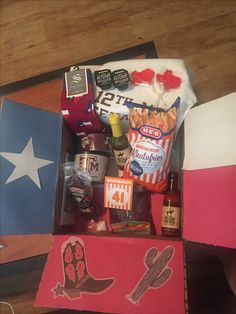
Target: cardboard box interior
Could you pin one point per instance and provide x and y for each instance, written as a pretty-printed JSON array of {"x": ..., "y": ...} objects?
[{"x": 68, "y": 150}]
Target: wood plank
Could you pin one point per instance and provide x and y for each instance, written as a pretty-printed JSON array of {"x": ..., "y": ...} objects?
[
  {"x": 211, "y": 67},
  {"x": 14, "y": 11},
  {"x": 204, "y": 35},
  {"x": 209, "y": 89},
  {"x": 177, "y": 14},
  {"x": 23, "y": 246},
  {"x": 37, "y": 38},
  {"x": 52, "y": 54}
]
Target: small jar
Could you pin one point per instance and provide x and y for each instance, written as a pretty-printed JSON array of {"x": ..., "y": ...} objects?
[{"x": 92, "y": 154}]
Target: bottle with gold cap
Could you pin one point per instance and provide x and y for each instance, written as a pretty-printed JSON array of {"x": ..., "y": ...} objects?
[
  {"x": 171, "y": 211},
  {"x": 119, "y": 142}
]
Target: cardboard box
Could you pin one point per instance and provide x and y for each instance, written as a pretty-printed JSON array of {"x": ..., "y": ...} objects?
[{"x": 122, "y": 262}]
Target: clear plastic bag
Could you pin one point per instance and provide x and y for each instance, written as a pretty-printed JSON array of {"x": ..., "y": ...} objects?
[{"x": 79, "y": 184}]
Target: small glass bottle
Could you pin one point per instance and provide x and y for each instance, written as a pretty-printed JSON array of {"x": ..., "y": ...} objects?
[
  {"x": 119, "y": 142},
  {"x": 171, "y": 211}
]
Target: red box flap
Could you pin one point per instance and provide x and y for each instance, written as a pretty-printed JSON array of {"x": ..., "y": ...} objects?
[
  {"x": 114, "y": 275},
  {"x": 209, "y": 206}
]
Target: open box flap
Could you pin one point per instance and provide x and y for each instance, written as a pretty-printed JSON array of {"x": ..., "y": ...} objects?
[
  {"x": 114, "y": 275},
  {"x": 209, "y": 173},
  {"x": 29, "y": 161},
  {"x": 210, "y": 134}
]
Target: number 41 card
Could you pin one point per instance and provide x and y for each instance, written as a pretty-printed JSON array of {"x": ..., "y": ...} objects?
[{"x": 118, "y": 193}]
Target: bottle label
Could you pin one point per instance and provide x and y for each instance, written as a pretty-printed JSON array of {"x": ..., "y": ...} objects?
[
  {"x": 171, "y": 217},
  {"x": 122, "y": 156}
]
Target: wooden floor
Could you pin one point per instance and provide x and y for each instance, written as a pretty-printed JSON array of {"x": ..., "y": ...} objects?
[{"x": 39, "y": 36}]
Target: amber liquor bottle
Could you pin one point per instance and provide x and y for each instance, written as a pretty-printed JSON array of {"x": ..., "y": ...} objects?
[{"x": 171, "y": 211}]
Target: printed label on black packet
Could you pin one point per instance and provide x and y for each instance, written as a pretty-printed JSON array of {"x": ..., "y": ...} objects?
[
  {"x": 103, "y": 79},
  {"x": 83, "y": 200},
  {"x": 76, "y": 83},
  {"x": 121, "y": 79}
]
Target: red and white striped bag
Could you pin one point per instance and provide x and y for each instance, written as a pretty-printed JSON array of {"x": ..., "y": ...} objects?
[{"x": 151, "y": 135}]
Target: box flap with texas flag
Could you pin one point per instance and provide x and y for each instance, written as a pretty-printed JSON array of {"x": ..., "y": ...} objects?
[
  {"x": 209, "y": 173},
  {"x": 30, "y": 154}
]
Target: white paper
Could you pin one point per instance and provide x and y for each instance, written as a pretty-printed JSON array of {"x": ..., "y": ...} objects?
[{"x": 210, "y": 134}]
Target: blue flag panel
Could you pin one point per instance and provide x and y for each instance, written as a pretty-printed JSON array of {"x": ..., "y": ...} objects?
[{"x": 29, "y": 163}]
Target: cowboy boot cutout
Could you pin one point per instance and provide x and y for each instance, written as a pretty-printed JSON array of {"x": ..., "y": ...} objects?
[{"x": 77, "y": 278}]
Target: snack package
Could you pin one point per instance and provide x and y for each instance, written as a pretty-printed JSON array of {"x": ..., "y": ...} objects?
[
  {"x": 151, "y": 136},
  {"x": 77, "y": 102},
  {"x": 153, "y": 82}
]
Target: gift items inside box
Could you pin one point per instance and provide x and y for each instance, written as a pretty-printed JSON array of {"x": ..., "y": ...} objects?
[
  {"x": 116, "y": 101},
  {"x": 65, "y": 209}
]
